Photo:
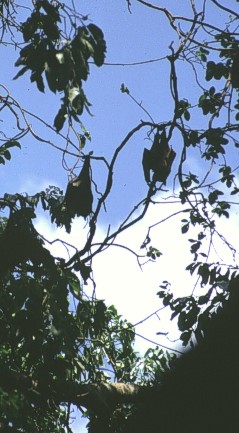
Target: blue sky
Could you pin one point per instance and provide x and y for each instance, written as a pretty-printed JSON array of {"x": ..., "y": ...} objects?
[
  {"x": 129, "y": 39},
  {"x": 139, "y": 36}
]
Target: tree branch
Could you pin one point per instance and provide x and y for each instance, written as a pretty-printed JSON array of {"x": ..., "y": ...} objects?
[{"x": 100, "y": 398}]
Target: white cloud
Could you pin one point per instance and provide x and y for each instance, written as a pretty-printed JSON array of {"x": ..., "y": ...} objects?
[{"x": 119, "y": 279}]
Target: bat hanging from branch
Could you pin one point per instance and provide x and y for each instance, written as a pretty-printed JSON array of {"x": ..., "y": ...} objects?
[
  {"x": 158, "y": 159},
  {"x": 79, "y": 197},
  {"x": 235, "y": 71}
]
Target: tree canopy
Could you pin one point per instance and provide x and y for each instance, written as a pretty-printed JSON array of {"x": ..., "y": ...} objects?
[{"x": 62, "y": 347}]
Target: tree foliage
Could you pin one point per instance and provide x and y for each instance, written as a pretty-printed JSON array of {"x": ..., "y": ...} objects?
[{"x": 56, "y": 336}]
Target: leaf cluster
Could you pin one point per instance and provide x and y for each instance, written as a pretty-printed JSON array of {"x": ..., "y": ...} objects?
[
  {"x": 5, "y": 154},
  {"x": 193, "y": 313},
  {"x": 50, "y": 331},
  {"x": 210, "y": 101},
  {"x": 63, "y": 63}
]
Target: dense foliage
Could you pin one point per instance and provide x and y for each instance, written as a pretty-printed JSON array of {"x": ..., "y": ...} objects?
[{"x": 54, "y": 331}]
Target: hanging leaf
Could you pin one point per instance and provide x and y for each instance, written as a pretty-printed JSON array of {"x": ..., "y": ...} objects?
[{"x": 60, "y": 118}]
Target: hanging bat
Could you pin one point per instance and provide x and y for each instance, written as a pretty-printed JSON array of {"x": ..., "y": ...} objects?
[
  {"x": 159, "y": 159},
  {"x": 235, "y": 71},
  {"x": 79, "y": 197}
]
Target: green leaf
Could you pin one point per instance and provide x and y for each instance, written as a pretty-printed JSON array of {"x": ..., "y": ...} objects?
[
  {"x": 213, "y": 196},
  {"x": 99, "y": 44},
  {"x": 21, "y": 72},
  {"x": 185, "y": 228},
  {"x": 7, "y": 155},
  {"x": 31, "y": 25},
  {"x": 60, "y": 118},
  {"x": 186, "y": 115},
  {"x": 12, "y": 143},
  {"x": 124, "y": 89},
  {"x": 212, "y": 91},
  {"x": 52, "y": 10},
  {"x": 210, "y": 70}
]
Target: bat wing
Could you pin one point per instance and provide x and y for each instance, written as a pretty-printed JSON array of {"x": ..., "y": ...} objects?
[{"x": 146, "y": 162}]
